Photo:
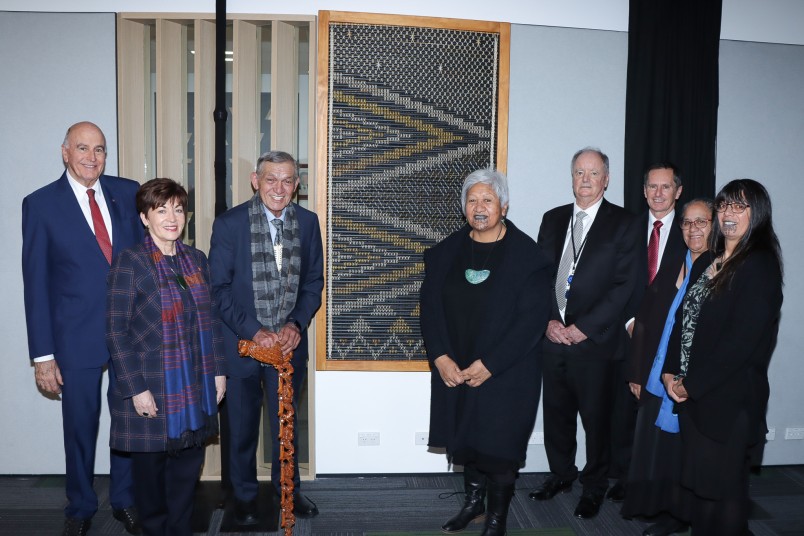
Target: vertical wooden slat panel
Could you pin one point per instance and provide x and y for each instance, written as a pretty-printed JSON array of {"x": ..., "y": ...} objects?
[
  {"x": 320, "y": 182},
  {"x": 204, "y": 157},
  {"x": 502, "y": 97},
  {"x": 245, "y": 108},
  {"x": 133, "y": 102},
  {"x": 285, "y": 87},
  {"x": 312, "y": 334},
  {"x": 171, "y": 100}
]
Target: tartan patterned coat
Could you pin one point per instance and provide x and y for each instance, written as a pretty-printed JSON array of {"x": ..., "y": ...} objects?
[{"x": 134, "y": 338}]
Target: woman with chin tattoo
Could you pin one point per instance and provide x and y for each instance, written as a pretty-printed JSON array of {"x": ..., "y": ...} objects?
[
  {"x": 485, "y": 302},
  {"x": 717, "y": 364}
]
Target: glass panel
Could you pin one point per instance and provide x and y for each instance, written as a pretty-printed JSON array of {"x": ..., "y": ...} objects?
[
  {"x": 229, "y": 78},
  {"x": 189, "y": 230},
  {"x": 265, "y": 88},
  {"x": 150, "y": 146},
  {"x": 304, "y": 94}
]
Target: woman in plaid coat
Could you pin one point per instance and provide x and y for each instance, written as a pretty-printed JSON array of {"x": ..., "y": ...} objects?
[{"x": 166, "y": 348}]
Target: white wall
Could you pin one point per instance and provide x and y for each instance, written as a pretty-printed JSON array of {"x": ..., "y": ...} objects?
[
  {"x": 761, "y": 136},
  {"x": 57, "y": 70}
]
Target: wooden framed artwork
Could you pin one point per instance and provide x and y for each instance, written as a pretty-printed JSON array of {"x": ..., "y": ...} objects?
[{"x": 406, "y": 108}]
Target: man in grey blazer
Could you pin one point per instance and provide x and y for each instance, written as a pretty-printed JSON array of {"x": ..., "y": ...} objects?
[
  {"x": 593, "y": 245},
  {"x": 266, "y": 262}
]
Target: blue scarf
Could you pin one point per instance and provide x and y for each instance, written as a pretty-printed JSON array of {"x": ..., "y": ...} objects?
[
  {"x": 666, "y": 420},
  {"x": 191, "y": 408}
]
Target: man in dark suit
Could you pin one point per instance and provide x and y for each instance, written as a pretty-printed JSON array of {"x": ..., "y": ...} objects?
[
  {"x": 661, "y": 251},
  {"x": 593, "y": 245},
  {"x": 266, "y": 260},
  {"x": 71, "y": 229}
]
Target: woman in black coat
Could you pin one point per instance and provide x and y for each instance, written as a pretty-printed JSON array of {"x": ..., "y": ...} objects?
[
  {"x": 167, "y": 351},
  {"x": 719, "y": 376},
  {"x": 485, "y": 302}
]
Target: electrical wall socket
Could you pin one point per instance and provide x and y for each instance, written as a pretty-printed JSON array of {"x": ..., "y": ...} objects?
[
  {"x": 368, "y": 439},
  {"x": 536, "y": 438},
  {"x": 794, "y": 433},
  {"x": 421, "y": 438},
  {"x": 771, "y": 435}
]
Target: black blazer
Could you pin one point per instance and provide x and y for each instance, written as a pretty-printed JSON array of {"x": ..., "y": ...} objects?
[
  {"x": 654, "y": 300},
  {"x": 604, "y": 278},
  {"x": 731, "y": 349}
]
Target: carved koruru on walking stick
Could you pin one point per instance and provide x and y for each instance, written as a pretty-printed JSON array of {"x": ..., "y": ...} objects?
[{"x": 273, "y": 356}]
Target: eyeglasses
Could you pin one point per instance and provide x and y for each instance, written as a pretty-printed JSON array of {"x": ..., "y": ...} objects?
[
  {"x": 700, "y": 223},
  {"x": 736, "y": 207}
]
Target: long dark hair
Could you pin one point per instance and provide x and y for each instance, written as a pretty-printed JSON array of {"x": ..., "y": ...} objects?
[{"x": 759, "y": 236}]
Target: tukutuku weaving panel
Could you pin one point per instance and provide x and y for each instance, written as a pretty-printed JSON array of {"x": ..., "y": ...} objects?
[{"x": 411, "y": 113}]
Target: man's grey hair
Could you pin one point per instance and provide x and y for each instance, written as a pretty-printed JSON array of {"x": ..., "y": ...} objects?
[
  {"x": 595, "y": 150},
  {"x": 277, "y": 157}
]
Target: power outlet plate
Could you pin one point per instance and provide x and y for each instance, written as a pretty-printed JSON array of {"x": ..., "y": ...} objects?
[
  {"x": 368, "y": 439},
  {"x": 420, "y": 438},
  {"x": 771, "y": 435},
  {"x": 794, "y": 433},
  {"x": 536, "y": 438}
]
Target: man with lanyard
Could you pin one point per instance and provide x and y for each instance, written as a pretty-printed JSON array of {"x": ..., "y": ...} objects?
[{"x": 593, "y": 245}]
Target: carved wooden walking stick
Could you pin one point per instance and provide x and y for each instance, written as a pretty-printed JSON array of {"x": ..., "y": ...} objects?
[{"x": 273, "y": 356}]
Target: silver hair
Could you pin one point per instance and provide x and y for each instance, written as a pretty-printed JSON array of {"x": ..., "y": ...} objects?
[
  {"x": 595, "y": 150},
  {"x": 495, "y": 179},
  {"x": 277, "y": 157}
]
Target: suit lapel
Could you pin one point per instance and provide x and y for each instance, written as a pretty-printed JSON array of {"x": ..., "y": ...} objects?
[
  {"x": 596, "y": 233},
  {"x": 563, "y": 222},
  {"x": 72, "y": 215}
]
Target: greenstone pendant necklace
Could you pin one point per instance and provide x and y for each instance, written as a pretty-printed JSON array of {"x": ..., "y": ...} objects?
[
  {"x": 475, "y": 277},
  {"x": 179, "y": 278}
]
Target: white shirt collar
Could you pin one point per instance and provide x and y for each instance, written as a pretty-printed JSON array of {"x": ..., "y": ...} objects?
[
  {"x": 80, "y": 190},
  {"x": 591, "y": 212}
]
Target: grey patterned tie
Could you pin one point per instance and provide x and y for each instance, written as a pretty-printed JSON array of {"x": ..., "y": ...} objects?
[
  {"x": 276, "y": 222},
  {"x": 567, "y": 258}
]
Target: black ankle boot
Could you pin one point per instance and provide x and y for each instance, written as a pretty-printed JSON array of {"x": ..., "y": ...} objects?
[
  {"x": 474, "y": 485},
  {"x": 499, "y": 500}
]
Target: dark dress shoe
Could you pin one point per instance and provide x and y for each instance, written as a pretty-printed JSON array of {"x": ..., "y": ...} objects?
[
  {"x": 245, "y": 513},
  {"x": 303, "y": 506},
  {"x": 665, "y": 528},
  {"x": 550, "y": 488},
  {"x": 129, "y": 518},
  {"x": 617, "y": 492},
  {"x": 76, "y": 527},
  {"x": 588, "y": 506}
]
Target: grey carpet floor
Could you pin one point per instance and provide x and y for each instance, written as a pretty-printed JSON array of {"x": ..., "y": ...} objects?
[{"x": 405, "y": 504}]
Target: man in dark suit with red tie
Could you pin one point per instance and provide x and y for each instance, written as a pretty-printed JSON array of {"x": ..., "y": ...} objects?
[
  {"x": 71, "y": 229},
  {"x": 593, "y": 244},
  {"x": 661, "y": 254}
]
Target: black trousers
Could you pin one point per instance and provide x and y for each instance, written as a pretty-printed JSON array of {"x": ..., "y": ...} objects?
[
  {"x": 576, "y": 385},
  {"x": 163, "y": 490},
  {"x": 623, "y": 421},
  {"x": 244, "y": 402}
]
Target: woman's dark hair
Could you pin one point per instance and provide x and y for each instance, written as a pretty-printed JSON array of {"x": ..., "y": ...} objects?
[
  {"x": 759, "y": 235},
  {"x": 157, "y": 192}
]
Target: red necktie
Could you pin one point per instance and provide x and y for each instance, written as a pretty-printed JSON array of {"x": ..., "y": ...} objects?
[
  {"x": 100, "y": 228},
  {"x": 653, "y": 251}
]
